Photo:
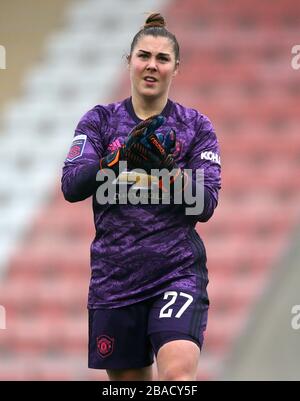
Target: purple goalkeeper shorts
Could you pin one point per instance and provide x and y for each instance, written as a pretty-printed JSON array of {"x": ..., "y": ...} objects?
[{"x": 128, "y": 337}]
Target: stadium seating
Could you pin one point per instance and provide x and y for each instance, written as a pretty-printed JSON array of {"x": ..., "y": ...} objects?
[{"x": 232, "y": 70}]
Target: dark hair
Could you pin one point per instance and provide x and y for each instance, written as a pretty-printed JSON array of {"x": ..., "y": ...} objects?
[{"x": 155, "y": 25}]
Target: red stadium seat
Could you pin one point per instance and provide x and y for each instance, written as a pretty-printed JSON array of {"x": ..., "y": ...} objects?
[{"x": 233, "y": 71}]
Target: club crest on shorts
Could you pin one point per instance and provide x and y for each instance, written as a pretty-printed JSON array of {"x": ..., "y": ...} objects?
[{"x": 105, "y": 346}]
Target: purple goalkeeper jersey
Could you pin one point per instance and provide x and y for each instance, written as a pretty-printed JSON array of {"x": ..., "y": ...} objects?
[{"x": 140, "y": 251}]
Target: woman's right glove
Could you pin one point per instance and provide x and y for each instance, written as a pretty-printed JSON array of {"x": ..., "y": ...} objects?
[{"x": 130, "y": 150}]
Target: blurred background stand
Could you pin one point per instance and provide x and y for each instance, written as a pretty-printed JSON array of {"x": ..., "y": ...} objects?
[{"x": 64, "y": 57}]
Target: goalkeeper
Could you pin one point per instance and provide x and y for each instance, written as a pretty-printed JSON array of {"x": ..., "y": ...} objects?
[{"x": 147, "y": 294}]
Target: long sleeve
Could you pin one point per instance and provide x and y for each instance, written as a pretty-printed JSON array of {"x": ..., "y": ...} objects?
[
  {"x": 82, "y": 163},
  {"x": 204, "y": 154}
]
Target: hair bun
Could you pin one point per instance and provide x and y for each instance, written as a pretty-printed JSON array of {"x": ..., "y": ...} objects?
[{"x": 155, "y": 20}]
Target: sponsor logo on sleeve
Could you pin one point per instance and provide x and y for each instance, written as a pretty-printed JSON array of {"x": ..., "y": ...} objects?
[
  {"x": 77, "y": 147},
  {"x": 209, "y": 155}
]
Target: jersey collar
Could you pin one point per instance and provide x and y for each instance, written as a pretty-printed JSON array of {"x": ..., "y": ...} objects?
[{"x": 129, "y": 107}]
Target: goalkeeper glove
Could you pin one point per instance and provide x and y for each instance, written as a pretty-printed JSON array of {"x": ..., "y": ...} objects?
[
  {"x": 154, "y": 152},
  {"x": 125, "y": 152}
]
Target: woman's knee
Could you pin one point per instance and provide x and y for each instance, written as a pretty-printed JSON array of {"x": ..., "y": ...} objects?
[
  {"x": 178, "y": 360},
  {"x": 177, "y": 373}
]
